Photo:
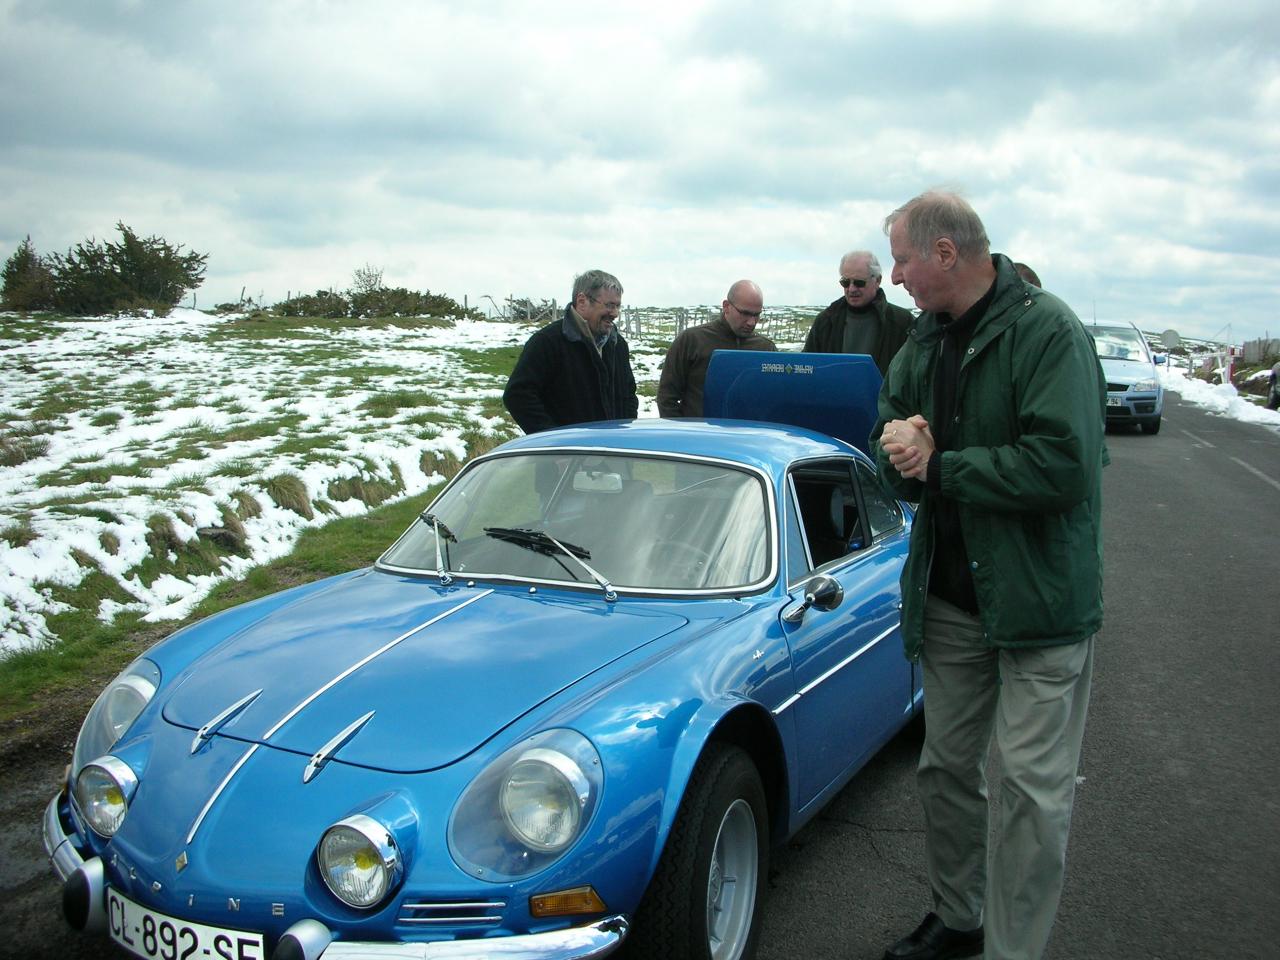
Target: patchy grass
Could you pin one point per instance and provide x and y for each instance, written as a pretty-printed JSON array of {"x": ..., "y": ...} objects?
[{"x": 498, "y": 362}]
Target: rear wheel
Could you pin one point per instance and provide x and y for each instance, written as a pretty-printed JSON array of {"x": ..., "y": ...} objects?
[{"x": 705, "y": 899}]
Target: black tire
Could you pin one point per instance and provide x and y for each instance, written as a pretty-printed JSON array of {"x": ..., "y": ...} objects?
[
  {"x": 1151, "y": 426},
  {"x": 692, "y": 909}
]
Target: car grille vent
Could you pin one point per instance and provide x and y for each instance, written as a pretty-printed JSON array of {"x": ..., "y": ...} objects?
[
  {"x": 1117, "y": 387},
  {"x": 452, "y": 912}
]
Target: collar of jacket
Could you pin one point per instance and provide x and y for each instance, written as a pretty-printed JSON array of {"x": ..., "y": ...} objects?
[
  {"x": 878, "y": 303},
  {"x": 1012, "y": 299},
  {"x": 572, "y": 332}
]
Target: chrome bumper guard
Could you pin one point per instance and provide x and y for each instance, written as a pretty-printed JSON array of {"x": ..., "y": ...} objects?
[
  {"x": 63, "y": 855},
  {"x": 597, "y": 939}
]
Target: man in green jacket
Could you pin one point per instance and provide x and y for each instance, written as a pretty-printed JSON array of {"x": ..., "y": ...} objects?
[
  {"x": 992, "y": 418},
  {"x": 863, "y": 320},
  {"x": 684, "y": 371}
]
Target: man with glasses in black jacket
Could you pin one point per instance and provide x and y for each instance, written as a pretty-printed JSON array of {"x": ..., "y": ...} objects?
[
  {"x": 863, "y": 320},
  {"x": 577, "y": 368}
]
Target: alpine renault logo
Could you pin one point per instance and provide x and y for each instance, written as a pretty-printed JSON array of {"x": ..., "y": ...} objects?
[{"x": 786, "y": 368}]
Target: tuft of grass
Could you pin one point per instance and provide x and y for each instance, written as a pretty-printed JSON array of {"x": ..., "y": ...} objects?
[
  {"x": 108, "y": 418},
  {"x": 371, "y": 491},
  {"x": 18, "y": 535},
  {"x": 162, "y": 538},
  {"x": 109, "y": 542},
  {"x": 288, "y": 492},
  {"x": 390, "y": 403},
  {"x": 20, "y": 445},
  {"x": 246, "y": 505}
]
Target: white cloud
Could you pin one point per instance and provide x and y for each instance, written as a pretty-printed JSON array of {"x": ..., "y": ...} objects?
[{"x": 1127, "y": 152}]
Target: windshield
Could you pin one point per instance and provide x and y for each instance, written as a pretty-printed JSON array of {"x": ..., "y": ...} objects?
[
  {"x": 1119, "y": 343},
  {"x": 636, "y": 522}
]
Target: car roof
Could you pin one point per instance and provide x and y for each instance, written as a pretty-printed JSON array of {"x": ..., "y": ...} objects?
[{"x": 767, "y": 446}]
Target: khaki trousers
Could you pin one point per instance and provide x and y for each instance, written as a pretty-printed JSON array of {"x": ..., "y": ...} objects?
[{"x": 1034, "y": 700}]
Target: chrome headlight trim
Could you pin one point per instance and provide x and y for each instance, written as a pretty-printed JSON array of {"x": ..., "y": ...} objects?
[
  {"x": 343, "y": 842},
  {"x": 527, "y": 807},
  {"x": 102, "y": 793}
]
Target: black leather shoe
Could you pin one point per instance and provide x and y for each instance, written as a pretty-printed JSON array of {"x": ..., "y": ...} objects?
[{"x": 934, "y": 940}]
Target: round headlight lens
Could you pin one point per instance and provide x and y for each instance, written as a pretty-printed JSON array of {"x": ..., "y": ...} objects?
[
  {"x": 359, "y": 861},
  {"x": 102, "y": 791},
  {"x": 542, "y": 799}
]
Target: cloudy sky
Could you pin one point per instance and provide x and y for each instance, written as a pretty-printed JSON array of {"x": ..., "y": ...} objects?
[{"x": 1130, "y": 152}]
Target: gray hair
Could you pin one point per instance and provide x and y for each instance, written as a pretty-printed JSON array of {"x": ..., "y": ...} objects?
[
  {"x": 940, "y": 213},
  {"x": 873, "y": 265},
  {"x": 594, "y": 280}
]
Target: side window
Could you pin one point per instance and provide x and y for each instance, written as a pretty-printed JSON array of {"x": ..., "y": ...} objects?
[
  {"x": 883, "y": 512},
  {"x": 828, "y": 506}
]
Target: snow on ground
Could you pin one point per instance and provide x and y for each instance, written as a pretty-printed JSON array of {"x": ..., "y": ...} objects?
[
  {"x": 1223, "y": 399},
  {"x": 169, "y": 417}
]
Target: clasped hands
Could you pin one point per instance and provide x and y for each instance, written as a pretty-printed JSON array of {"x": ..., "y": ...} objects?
[{"x": 909, "y": 445}]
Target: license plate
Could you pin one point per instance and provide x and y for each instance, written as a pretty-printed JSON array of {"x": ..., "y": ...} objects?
[
  {"x": 1114, "y": 402},
  {"x": 155, "y": 936}
]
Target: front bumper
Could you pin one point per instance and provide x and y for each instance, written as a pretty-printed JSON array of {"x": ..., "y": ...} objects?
[{"x": 311, "y": 940}]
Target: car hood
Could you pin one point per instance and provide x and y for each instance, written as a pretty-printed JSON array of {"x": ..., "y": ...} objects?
[
  {"x": 1127, "y": 371},
  {"x": 442, "y": 670}
]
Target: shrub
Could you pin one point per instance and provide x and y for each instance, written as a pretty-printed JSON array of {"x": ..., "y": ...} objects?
[
  {"x": 28, "y": 280},
  {"x": 107, "y": 277},
  {"x": 325, "y": 303}
]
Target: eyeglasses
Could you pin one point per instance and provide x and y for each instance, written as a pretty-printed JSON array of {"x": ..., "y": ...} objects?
[
  {"x": 753, "y": 314},
  {"x": 845, "y": 281},
  {"x": 611, "y": 307}
]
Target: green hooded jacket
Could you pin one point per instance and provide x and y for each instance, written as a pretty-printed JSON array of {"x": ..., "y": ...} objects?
[{"x": 1025, "y": 467}]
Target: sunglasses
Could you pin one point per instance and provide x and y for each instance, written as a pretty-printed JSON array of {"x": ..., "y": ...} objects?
[{"x": 845, "y": 281}]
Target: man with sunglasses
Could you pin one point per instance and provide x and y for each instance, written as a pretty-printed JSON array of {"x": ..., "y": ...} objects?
[
  {"x": 578, "y": 368},
  {"x": 684, "y": 372},
  {"x": 863, "y": 320}
]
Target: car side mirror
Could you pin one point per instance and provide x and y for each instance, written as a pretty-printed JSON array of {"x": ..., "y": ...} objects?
[
  {"x": 1161, "y": 358},
  {"x": 821, "y": 593}
]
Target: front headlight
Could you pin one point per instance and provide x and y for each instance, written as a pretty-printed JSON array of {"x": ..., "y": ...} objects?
[
  {"x": 114, "y": 711},
  {"x": 527, "y": 807},
  {"x": 542, "y": 799},
  {"x": 359, "y": 861},
  {"x": 1144, "y": 386},
  {"x": 102, "y": 791}
]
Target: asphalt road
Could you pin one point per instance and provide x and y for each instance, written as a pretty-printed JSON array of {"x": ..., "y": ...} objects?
[
  {"x": 1175, "y": 845},
  {"x": 1175, "y": 850}
]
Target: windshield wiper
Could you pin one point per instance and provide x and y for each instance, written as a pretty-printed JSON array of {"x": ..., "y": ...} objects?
[
  {"x": 441, "y": 531},
  {"x": 542, "y": 542}
]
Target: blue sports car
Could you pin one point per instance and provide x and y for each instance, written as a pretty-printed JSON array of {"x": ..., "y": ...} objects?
[{"x": 572, "y": 707}]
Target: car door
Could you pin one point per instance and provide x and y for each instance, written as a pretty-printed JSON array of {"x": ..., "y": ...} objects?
[{"x": 854, "y": 686}]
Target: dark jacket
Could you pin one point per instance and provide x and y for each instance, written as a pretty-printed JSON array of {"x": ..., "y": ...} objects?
[
  {"x": 684, "y": 372},
  {"x": 1024, "y": 467},
  {"x": 560, "y": 379},
  {"x": 827, "y": 333}
]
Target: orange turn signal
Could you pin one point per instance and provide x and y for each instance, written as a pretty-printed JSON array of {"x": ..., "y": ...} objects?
[{"x": 564, "y": 903}]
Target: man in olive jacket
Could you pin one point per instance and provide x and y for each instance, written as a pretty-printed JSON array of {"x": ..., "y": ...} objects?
[
  {"x": 578, "y": 368},
  {"x": 684, "y": 371},
  {"x": 992, "y": 418},
  {"x": 863, "y": 320}
]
